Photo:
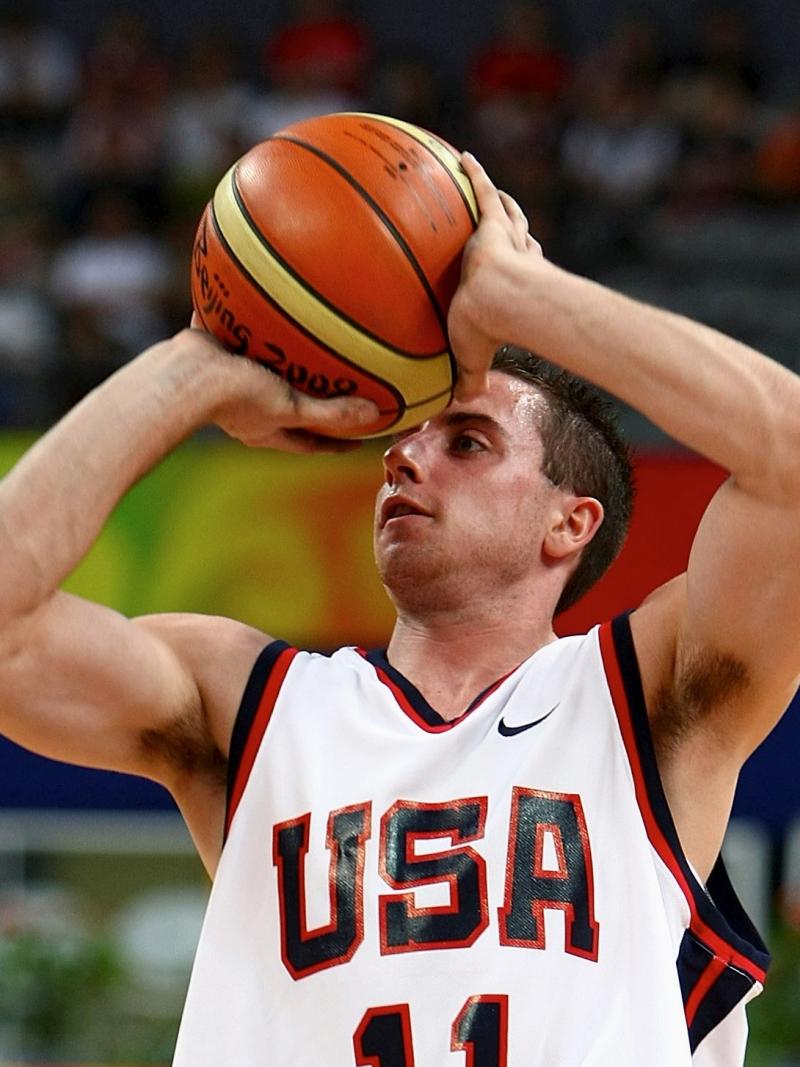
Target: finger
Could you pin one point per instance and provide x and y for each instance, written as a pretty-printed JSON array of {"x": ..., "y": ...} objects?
[
  {"x": 196, "y": 323},
  {"x": 517, "y": 218},
  {"x": 305, "y": 441},
  {"x": 489, "y": 203},
  {"x": 532, "y": 245},
  {"x": 470, "y": 384},
  {"x": 337, "y": 417}
]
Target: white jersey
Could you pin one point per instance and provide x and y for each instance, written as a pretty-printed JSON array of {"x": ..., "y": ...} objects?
[{"x": 505, "y": 890}]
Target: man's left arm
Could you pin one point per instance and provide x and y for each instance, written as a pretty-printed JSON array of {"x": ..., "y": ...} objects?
[{"x": 719, "y": 647}]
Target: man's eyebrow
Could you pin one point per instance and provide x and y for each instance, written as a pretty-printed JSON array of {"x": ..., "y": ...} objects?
[{"x": 460, "y": 418}]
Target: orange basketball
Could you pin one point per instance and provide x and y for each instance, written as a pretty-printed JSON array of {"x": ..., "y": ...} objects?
[{"x": 330, "y": 253}]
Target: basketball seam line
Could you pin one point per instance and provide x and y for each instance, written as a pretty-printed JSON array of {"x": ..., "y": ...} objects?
[
  {"x": 407, "y": 128},
  {"x": 314, "y": 293},
  {"x": 464, "y": 199},
  {"x": 401, "y": 241}
]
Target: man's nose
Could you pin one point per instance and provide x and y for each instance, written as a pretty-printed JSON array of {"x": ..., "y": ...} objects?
[{"x": 403, "y": 460}]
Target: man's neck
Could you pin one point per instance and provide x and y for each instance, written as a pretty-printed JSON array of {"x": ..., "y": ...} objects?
[{"x": 452, "y": 660}]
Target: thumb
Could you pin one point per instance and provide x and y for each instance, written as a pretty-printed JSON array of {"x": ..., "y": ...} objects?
[{"x": 470, "y": 384}]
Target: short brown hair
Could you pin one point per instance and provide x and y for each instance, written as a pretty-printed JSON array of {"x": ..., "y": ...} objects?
[{"x": 584, "y": 453}]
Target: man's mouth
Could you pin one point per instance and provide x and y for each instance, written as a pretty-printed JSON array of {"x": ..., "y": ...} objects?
[{"x": 398, "y": 507}]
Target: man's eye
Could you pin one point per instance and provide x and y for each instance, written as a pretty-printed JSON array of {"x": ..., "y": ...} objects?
[{"x": 465, "y": 442}]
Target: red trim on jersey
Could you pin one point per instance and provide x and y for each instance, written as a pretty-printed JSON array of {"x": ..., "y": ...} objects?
[
  {"x": 468, "y": 1046},
  {"x": 725, "y": 952},
  {"x": 407, "y": 707},
  {"x": 260, "y": 723},
  {"x": 539, "y": 870},
  {"x": 715, "y": 968},
  {"x": 402, "y": 1013}
]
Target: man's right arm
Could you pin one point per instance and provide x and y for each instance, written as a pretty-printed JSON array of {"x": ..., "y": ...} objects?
[{"x": 78, "y": 681}]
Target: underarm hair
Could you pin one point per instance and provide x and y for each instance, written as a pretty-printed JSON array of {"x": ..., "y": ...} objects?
[
  {"x": 698, "y": 690},
  {"x": 187, "y": 747}
]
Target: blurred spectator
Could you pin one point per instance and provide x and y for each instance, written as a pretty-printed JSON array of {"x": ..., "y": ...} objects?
[
  {"x": 588, "y": 146},
  {"x": 723, "y": 63},
  {"x": 115, "y": 135},
  {"x": 716, "y": 168},
  {"x": 523, "y": 60},
  {"x": 517, "y": 84},
  {"x": 110, "y": 285},
  {"x": 320, "y": 46},
  {"x": 38, "y": 74},
  {"x": 28, "y": 327},
  {"x": 726, "y": 51},
  {"x": 205, "y": 121},
  {"x": 634, "y": 52},
  {"x": 777, "y": 161},
  {"x": 408, "y": 86},
  {"x": 316, "y": 63},
  {"x": 616, "y": 157},
  {"x": 124, "y": 56},
  {"x": 29, "y": 336},
  {"x": 714, "y": 94}
]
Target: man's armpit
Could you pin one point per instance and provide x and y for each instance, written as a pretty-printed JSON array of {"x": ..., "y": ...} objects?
[
  {"x": 701, "y": 686},
  {"x": 185, "y": 747}
]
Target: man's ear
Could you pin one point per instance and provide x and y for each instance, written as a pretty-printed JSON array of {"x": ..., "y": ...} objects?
[{"x": 575, "y": 522}]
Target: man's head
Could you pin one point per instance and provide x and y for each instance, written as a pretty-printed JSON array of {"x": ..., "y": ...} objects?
[
  {"x": 490, "y": 508},
  {"x": 582, "y": 452}
]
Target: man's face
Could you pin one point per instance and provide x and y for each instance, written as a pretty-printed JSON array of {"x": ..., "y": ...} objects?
[{"x": 464, "y": 504}]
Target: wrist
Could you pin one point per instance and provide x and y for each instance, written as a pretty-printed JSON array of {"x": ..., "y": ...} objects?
[{"x": 196, "y": 378}]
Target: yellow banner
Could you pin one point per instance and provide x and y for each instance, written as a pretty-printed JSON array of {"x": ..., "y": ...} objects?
[{"x": 281, "y": 542}]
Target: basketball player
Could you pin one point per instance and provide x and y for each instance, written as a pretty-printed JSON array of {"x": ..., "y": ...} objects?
[{"x": 484, "y": 846}]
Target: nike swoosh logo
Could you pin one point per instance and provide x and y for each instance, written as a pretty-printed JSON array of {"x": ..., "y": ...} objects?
[{"x": 512, "y": 731}]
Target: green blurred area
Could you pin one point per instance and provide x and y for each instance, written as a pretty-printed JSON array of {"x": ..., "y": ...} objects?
[
  {"x": 73, "y": 988},
  {"x": 775, "y": 1016},
  {"x": 79, "y": 1006}
]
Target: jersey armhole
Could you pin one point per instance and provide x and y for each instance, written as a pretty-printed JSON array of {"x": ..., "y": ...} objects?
[
  {"x": 722, "y": 955},
  {"x": 252, "y": 719}
]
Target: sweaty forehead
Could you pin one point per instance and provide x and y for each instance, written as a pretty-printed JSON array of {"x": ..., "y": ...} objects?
[
  {"x": 511, "y": 401},
  {"x": 510, "y": 407}
]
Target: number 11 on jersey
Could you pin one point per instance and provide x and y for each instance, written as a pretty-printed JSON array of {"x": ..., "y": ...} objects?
[{"x": 383, "y": 1037}]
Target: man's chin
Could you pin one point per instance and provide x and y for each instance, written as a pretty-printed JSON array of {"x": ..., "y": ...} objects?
[{"x": 417, "y": 581}]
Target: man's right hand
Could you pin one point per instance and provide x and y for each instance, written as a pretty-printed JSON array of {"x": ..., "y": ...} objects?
[{"x": 261, "y": 410}]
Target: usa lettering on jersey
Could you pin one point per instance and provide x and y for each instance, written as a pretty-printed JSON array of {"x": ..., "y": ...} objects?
[{"x": 541, "y": 823}]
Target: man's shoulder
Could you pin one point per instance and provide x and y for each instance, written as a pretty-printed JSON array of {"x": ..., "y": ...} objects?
[{"x": 204, "y": 639}]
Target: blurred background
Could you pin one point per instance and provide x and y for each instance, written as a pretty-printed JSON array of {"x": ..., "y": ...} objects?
[{"x": 654, "y": 145}]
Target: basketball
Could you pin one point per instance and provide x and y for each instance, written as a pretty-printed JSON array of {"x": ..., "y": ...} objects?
[{"x": 330, "y": 253}]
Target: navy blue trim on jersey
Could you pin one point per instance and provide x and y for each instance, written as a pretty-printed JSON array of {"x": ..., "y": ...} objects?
[
  {"x": 717, "y": 908},
  {"x": 259, "y": 676},
  {"x": 429, "y": 715},
  {"x": 378, "y": 658}
]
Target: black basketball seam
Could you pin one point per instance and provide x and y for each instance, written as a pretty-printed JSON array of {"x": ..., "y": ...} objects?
[
  {"x": 464, "y": 199},
  {"x": 428, "y": 399},
  {"x": 375, "y": 206},
  {"x": 428, "y": 149},
  {"x": 402, "y": 407},
  {"x": 317, "y": 295},
  {"x": 460, "y": 191}
]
